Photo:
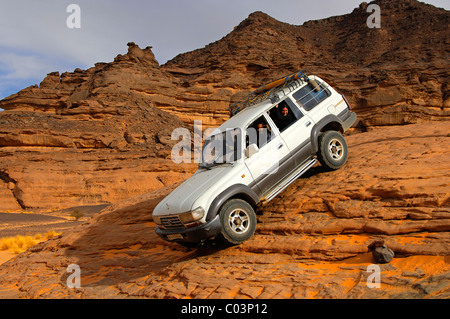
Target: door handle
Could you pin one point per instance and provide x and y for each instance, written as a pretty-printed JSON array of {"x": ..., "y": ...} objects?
[
  {"x": 308, "y": 123},
  {"x": 279, "y": 146}
]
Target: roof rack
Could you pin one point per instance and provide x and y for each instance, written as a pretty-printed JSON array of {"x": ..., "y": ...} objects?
[{"x": 270, "y": 91}]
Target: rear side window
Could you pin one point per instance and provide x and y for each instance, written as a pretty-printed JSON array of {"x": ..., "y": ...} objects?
[{"x": 311, "y": 95}]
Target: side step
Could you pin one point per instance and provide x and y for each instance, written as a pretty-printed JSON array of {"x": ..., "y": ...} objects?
[{"x": 288, "y": 181}]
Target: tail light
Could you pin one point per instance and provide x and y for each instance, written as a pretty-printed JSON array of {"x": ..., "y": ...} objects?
[{"x": 346, "y": 101}]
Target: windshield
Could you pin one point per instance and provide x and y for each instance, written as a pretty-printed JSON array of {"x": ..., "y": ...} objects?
[{"x": 224, "y": 147}]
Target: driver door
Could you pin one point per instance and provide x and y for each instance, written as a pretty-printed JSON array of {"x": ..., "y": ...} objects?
[{"x": 265, "y": 151}]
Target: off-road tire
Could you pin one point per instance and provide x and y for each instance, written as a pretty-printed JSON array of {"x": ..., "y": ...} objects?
[
  {"x": 333, "y": 150},
  {"x": 238, "y": 221}
]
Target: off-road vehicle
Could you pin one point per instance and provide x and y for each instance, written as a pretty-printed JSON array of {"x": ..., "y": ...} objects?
[{"x": 272, "y": 137}]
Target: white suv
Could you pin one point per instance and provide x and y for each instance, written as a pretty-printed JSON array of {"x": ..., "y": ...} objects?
[{"x": 273, "y": 137}]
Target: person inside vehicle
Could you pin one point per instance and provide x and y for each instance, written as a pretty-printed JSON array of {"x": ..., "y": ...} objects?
[
  {"x": 263, "y": 134},
  {"x": 258, "y": 133},
  {"x": 284, "y": 118}
]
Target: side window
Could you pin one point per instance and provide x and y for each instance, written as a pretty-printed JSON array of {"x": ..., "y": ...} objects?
[
  {"x": 258, "y": 133},
  {"x": 311, "y": 95},
  {"x": 284, "y": 114},
  {"x": 224, "y": 147}
]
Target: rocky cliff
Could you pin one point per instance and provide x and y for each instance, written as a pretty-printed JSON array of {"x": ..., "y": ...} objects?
[
  {"x": 88, "y": 137},
  {"x": 93, "y": 136},
  {"x": 102, "y": 135},
  {"x": 396, "y": 74}
]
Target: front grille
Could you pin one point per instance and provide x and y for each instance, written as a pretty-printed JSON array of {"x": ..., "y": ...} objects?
[{"x": 171, "y": 222}]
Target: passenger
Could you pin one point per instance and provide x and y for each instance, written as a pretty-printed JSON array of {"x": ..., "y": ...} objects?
[
  {"x": 263, "y": 134},
  {"x": 285, "y": 118}
]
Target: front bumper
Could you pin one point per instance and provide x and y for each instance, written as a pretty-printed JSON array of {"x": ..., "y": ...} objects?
[{"x": 191, "y": 235}]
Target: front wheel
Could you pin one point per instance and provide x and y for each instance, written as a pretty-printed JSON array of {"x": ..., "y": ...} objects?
[
  {"x": 238, "y": 221},
  {"x": 333, "y": 150}
]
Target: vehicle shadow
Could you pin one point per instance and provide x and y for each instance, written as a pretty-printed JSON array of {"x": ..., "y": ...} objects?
[
  {"x": 119, "y": 245},
  {"x": 313, "y": 171}
]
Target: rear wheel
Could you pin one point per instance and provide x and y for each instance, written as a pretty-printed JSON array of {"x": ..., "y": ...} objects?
[
  {"x": 333, "y": 150},
  {"x": 238, "y": 221}
]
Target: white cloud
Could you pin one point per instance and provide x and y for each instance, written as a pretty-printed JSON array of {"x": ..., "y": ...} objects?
[
  {"x": 14, "y": 66},
  {"x": 18, "y": 71}
]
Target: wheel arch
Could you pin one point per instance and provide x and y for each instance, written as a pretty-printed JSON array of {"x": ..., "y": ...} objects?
[
  {"x": 328, "y": 123},
  {"x": 239, "y": 191}
]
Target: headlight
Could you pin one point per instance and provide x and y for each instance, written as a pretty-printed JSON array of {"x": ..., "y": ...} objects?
[{"x": 192, "y": 216}]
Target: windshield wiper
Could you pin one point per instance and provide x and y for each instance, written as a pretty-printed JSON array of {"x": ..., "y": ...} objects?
[
  {"x": 205, "y": 166},
  {"x": 208, "y": 167}
]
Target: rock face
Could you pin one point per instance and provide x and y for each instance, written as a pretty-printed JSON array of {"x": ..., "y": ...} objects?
[
  {"x": 103, "y": 134},
  {"x": 311, "y": 241},
  {"x": 397, "y": 74},
  {"x": 87, "y": 137}
]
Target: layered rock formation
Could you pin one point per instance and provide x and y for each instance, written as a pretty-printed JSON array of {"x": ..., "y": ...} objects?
[
  {"x": 397, "y": 74},
  {"x": 87, "y": 137},
  {"x": 93, "y": 136},
  {"x": 102, "y": 135},
  {"x": 311, "y": 240}
]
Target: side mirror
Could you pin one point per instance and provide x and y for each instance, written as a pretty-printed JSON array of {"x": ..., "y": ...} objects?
[{"x": 251, "y": 150}]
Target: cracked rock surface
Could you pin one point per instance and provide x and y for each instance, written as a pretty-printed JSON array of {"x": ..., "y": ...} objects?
[{"x": 311, "y": 240}]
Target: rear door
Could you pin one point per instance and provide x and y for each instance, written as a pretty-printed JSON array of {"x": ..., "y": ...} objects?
[{"x": 297, "y": 135}]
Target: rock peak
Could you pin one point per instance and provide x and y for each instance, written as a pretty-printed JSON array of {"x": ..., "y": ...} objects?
[
  {"x": 258, "y": 15},
  {"x": 138, "y": 54},
  {"x": 258, "y": 18}
]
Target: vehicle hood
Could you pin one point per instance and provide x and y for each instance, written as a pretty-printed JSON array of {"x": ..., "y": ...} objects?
[{"x": 181, "y": 199}]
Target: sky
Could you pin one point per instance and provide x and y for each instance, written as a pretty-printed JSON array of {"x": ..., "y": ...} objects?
[{"x": 42, "y": 36}]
